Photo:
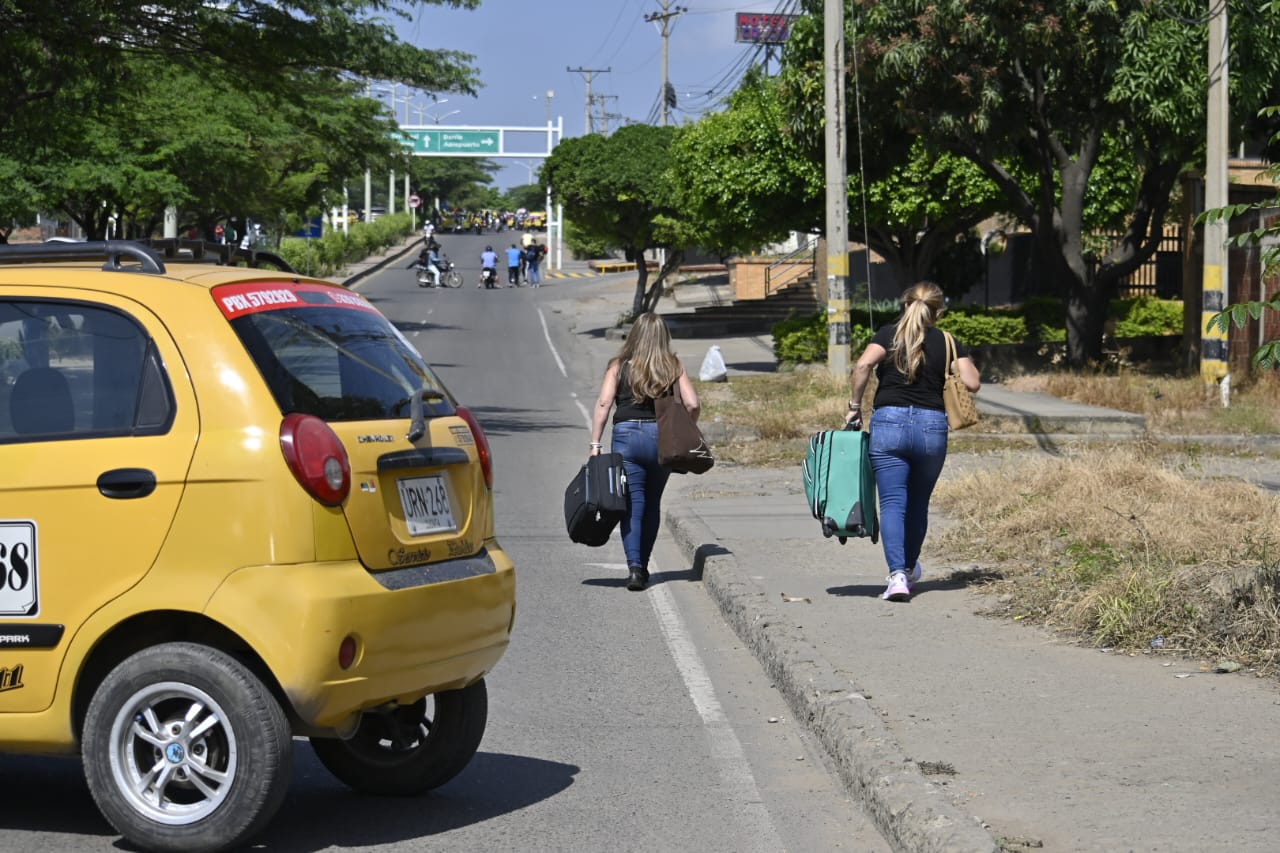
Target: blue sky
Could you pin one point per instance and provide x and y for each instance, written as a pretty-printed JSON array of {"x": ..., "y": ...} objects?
[{"x": 523, "y": 48}]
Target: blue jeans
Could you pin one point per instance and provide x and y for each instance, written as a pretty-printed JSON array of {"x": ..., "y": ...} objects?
[
  {"x": 637, "y": 441},
  {"x": 908, "y": 449}
]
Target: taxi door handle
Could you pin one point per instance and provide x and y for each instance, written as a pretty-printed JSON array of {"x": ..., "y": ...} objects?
[{"x": 124, "y": 483}]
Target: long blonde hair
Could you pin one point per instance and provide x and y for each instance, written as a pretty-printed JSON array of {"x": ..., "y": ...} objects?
[
  {"x": 653, "y": 367},
  {"x": 922, "y": 305}
]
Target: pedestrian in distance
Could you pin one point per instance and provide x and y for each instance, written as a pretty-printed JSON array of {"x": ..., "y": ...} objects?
[
  {"x": 644, "y": 369},
  {"x": 533, "y": 264},
  {"x": 488, "y": 266},
  {"x": 526, "y": 240},
  {"x": 908, "y": 442},
  {"x": 513, "y": 266}
]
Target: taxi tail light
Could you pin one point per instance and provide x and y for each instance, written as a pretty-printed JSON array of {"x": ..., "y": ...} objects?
[
  {"x": 316, "y": 457},
  {"x": 482, "y": 444}
]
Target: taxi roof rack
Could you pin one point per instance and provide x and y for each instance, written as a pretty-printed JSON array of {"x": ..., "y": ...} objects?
[{"x": 147, "y": 256}]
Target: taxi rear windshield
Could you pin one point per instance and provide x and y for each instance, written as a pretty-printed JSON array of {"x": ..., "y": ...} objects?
[{"x": 338, "y": 363}]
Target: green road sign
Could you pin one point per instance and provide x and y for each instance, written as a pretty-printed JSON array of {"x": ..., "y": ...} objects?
[{"x": 453, "y": 141}]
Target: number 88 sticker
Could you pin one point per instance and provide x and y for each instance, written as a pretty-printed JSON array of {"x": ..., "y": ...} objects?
[{"x": 18, "y": 587}]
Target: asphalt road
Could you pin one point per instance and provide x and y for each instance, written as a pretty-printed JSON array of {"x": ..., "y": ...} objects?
[{"x": 618, "y": 721}]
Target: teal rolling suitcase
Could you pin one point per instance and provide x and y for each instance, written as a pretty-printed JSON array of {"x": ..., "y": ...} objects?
[{"x": 840, "y": 485}]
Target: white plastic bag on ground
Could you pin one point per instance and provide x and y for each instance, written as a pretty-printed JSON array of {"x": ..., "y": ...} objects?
[{"x": 713, "y": 369}]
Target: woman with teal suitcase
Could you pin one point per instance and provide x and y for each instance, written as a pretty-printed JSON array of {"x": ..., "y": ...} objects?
[{"x": 908, "y": 443}]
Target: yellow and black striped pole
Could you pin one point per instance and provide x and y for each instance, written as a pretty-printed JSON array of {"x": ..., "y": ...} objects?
[
  {"x": 837, "y": 183},
  {"x": 1213, "y": 343}
]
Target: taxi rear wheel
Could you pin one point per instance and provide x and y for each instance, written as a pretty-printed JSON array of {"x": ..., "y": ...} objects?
[
  {"x": 412, "y": 749},
  {"x": 186, "y": 749}
]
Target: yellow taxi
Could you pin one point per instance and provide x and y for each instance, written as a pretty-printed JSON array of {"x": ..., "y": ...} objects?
[{"x": 238, "y": 507}]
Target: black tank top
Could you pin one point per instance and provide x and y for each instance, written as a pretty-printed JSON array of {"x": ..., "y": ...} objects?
[{"x": 628, "y": 407}]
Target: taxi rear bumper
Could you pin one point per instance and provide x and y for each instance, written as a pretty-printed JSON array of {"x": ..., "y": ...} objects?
[{"x": 417, "y": 630}]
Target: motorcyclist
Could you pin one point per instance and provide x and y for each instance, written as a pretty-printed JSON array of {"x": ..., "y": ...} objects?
[
  {"x": 488, "y": 267},
  {"x": 428, "y": 260}
]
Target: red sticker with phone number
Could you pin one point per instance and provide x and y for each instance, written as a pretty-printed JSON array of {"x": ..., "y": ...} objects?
[{"x": 238, "y": 300}]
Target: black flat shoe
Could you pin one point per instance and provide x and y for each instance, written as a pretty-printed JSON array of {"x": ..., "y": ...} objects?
[{"x": 638, "y": 580}]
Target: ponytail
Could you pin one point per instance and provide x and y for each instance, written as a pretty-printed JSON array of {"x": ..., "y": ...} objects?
[{"x": 922, "y": 305}]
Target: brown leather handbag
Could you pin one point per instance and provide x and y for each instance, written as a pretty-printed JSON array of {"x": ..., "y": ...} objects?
[{"x": 681, "y": 446}]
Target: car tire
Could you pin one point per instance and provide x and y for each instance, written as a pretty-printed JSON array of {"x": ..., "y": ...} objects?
[
  {"x": 412, "y": 749},
  {"x": 225, "y": 771}
]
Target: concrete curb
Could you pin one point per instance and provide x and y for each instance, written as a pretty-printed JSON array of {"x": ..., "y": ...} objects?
[
  {"x": 394, "y": 253},
  {"x": 910, "y": 812}
]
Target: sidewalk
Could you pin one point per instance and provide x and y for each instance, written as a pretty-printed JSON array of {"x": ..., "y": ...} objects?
[{"x": 955, "y": 731}]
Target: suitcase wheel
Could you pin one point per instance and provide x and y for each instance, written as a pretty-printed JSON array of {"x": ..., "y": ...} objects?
[
  {"x": 844, "y": 539},
  {"x": 828, "y": 528}
]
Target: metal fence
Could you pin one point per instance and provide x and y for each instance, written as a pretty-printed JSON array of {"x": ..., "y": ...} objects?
[{"x": 1161, "y": 275}]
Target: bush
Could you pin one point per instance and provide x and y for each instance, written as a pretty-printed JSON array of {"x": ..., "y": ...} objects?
[
  {"x": 328, "y": 255},
  {"x": 977, "y": 328},
  {"x": 803, "y": 339},
  {"x": 1146, "y": 317},
  {"x": 1046, "y": 319}
]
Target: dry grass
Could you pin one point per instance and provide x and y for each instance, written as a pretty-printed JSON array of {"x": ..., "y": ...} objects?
[
  {"x": 774, "y": 414},
  {"x": 1118, "y": 546},
  {"x": 1171, "y": 405}
]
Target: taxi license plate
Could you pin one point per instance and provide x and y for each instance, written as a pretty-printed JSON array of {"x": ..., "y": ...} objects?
[{"x": 425, "y": 502}]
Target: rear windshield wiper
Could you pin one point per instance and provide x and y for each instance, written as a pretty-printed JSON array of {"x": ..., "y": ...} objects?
[{"x": 417, "y": 420}]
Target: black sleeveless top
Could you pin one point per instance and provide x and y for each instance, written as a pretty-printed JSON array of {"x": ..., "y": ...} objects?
[{"x": 628, "y": 408}]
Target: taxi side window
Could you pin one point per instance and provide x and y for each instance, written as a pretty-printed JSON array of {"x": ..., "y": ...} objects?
[{"x": 71, "y": 370}]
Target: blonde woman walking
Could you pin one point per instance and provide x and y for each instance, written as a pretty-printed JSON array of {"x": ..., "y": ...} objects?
[
  {"x": 908, "y": 426},
  {"x": 643, "y": 370}
]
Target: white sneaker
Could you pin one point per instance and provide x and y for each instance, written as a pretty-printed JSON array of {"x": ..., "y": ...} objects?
[
  {"x": 917, "y": 570},
  {"x": 897, "y": 589}
]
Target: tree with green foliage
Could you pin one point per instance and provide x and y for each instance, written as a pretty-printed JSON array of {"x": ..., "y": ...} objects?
[
  {"x": 66, "y": 59},
  {"x": 1043, "y": 83},
  {"x": 753, "y": 173},
  {"x": 449, "y": 179},
  {"x": 528, "y": 196},
  {"x": 616, "y": 189},
  {"x": 232, "y": 155},
  {"x": 740, "y": 177}
]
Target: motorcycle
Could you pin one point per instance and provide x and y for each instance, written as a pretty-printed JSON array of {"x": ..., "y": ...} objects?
[
  {"x": 449, "y": 277},
  {"x": 489, "y": 278}
]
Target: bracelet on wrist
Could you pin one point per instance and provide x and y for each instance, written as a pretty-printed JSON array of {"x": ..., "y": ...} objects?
[
  {"x": 853, "y": 407},
  {"x": 595, "y": 445}
]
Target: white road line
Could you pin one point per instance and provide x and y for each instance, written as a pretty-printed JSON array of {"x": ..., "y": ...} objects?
[
  {"x": 546, "y": 333},
  {"x": 726, "y": 750}
]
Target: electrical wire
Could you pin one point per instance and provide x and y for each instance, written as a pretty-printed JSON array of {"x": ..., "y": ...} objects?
[
  {"x": 622, "y": 8},
  {"x": 862, "y": 176}
]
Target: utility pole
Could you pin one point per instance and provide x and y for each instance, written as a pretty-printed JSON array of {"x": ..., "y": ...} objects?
[
  {"x": 588, "y": 74},
  {"x": 1213, "y": 344},
  {"x": 837, "y": 191},
  {"x": 368, "y": 176},
  {"x": 602, "y": 101},
  {"x": 665, "y": 17}
]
